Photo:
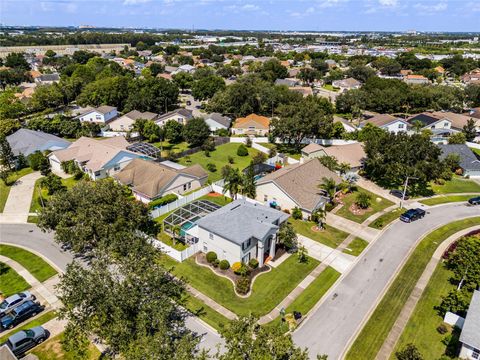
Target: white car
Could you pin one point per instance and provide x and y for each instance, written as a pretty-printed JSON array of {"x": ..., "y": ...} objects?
[{"x": 13, "y": 301}]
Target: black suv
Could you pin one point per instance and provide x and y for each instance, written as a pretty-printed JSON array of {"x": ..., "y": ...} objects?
[
  {"x": 22, "y": 312},
  {"x": 412, "y": 215},
  {"x": 474, "y": 200}
]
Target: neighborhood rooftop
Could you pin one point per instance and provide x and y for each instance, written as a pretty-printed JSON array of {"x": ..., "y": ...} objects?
[
  {"x": 471, "y": 328},
  {"x": 25, "y": 141}
]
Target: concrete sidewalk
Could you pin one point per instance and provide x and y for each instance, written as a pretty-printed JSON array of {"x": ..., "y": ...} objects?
[
  {"x": 335, "y": 258},
  {"x": 407, "y": 310},
  {"x": 351, "y": 227},
  {"x": 17, "y": 207}
]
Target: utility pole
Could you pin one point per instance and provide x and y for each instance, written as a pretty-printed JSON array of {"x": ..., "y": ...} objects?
[{"x": 405, "y": 189}]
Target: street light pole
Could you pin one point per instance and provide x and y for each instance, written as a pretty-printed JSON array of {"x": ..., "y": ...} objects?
[{"x": 405, "y": 189}]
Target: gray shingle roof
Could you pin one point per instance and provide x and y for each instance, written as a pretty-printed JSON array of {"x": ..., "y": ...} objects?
[
  {"x": 471, "y": 328},
  {"x": 468, "y": 160},
  {"x": 26, "y": 142},
  {"x": 240, "y": 220},
  {"x": 222, "y": 120},
  {"x": 181, "y": 111}
]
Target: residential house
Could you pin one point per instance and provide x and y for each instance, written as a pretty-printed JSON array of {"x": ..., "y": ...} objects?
[
  {"x": 304, "y": 90},
  {"x": 102, "y": 114},
  {"x": 6, "y": 353},
  {"x": 347, "y": 84},
  {"x": 458, "y": 121},
  {"x": 180, "y": 115},
  {"x": 470, "y": 335},
  {"x": 352, "y": 154},
  {"x": 474, "y": 113},
  {"x": 296, "y": 185},
  {"x": 287, "y": 82},
  {"x": 387, "y": 122},
  {"x": 252, "y": 124},
  {"x": 47, "y": 79},
  {"x": 185, "y": 68},
  {"x": 439, "y": 125},
  {"x": 472, "y": 77},
  {"x": 469, "y": 162},
  {"x": 151, "y": 180},
  {"x": 347, "y": 125},
  {"x": 331, "y": 63},
  {"x": 97, "y": 158},
  {"x": 416, "y": 80},
  {"x": 241, "y": 231},
  {"x": 216, "y": 121},
  {"x": 171, "y": 69},
  {"x": 125, "y": 122},
  {"x": 26, "y": 142}
]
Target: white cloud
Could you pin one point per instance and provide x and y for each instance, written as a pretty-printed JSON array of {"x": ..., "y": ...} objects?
[
  {"x": 388, "y": 2},
  {"x": 441, "y": 6},
  {"x": 134, "y": 2},
  {"x": 249, "y": 7}
]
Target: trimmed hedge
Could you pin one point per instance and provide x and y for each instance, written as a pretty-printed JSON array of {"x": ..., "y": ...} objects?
[
  {"x": 224, "y": 265},
  {"x": 211, "y": 257},
  {"x": 243, "y": 285},
  {"x": 164, "y": 200},
  {"x": 253, "y": 263},
  {"x": 242, "y": 150}
]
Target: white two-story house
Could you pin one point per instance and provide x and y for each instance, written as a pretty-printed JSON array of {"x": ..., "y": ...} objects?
[
  {"x": 101, "y": 115},
  {"x": 386, "y": 122}
]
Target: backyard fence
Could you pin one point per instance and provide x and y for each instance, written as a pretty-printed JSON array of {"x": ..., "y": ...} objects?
[
  {"x": 174, "y": 253},
  {"x": 473, "y": 145}
]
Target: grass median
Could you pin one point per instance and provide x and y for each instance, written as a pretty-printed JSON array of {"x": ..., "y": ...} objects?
[
  {"x": 446, "y": 199},
  {"x": 376, "y": 330},
  {"x": 34, "y": 264},
  {"x": 356, "y": 247},
  {"x": 386, "y": 218},
  {"x": 329, "y": 236}
]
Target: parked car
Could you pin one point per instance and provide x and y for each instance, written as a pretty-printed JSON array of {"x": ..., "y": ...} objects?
[
  {"x": 474, "y": 200},
  {"x": 13, "y": 301},
  {"x": 399, "y": 194},
  {"x": 412, "y": 215},
  {"x": 22, "y": 312},
  {"x": 24, "y": 340}
]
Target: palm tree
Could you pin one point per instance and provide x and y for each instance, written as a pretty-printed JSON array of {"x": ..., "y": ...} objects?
[
  {"x": 319, "y": 216},
  {"x": 176, "y": 230},
  {"x": 329, "y": 186},
  {"x": 343, "y": 168},
  {"x": 248, "y": 183},
  {"x": 233, "y": 183},
  {"x": 417, "y": 126}
]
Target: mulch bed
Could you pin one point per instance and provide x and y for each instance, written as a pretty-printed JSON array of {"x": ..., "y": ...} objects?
[
  {"x": 214, "y": 194},
  {"x": 354, "y": 209}
]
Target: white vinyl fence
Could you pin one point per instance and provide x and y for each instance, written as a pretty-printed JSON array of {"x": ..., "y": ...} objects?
[
  {"x": 473, "y": 145},
  {"x": 180, "y": 202},
  {"x": 174, "y": 253}
]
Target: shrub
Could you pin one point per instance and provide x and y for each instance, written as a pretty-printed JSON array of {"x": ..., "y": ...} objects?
[
  {"x": 215, "y": 263},
  {"x": 242, "y": 270},
  {"x": 296, "y": 213},
  {"x": 242, "y": 150},
  {"x": 442, "y": 329},
  {"x": 248, "y": 142},
  {"x": 211, "y": 256},
  {"x": 440, "y": 182},
  {"x": 329, "y": 206},
  {"x": 231, "y": 160},
  {"x": 162, "y": 201},
  {"x": 211, "y": 167},
  {"x": 207, "y": 153},
  {"x": 243, "y": 285},
  {"x": 224, "y": 265},
  {"x": 236, "y": 266},
  {"x": 363, "y": 200},
  {"x": 253, "y": 263}
]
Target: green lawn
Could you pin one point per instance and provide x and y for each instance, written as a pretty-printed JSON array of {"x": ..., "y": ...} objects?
[
  {"x": 356, "y": 247},
  {"x": 174, "y": 148},
  {"x": 219, "y": 157},
  {"x": 5, "y": 190},
  {"x": 41, "y": 194},
  {"x": 456, "y": 185},
  {"x": 42, "y": 319},
  {"x": 311, "y": 295},
  {"x": 167, "y": 239},
  {"x": 446, "y": 199},
  {"x": 330, "y": 87},
  {"x": 376, "y": 206},
  {"x": 376, "y": 330},
  {"x": 386, "y": 218},
  {"x": 10, "y": 282},
  {"x": 421, "y": 328},
  {"x": 476, "y": 151},
  {"x": 206, "y": 313},
  {"x": 330, "y": 236},
  {"x": 268, "y": 289},
  {"x": 35, "y": 265},
  {"x": 289, "y": 150},
  {"x": 268, "y": 145},
  {"x": 52, "y": 350},
  {"x": 219, "y": 200}
]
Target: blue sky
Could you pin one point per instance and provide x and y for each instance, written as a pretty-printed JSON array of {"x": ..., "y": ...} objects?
[{"x": 317, "y": 15}]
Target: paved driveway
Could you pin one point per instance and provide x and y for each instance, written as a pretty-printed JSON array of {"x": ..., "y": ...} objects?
[
  {"x": 32, "y": 238},
  {"x": 332, "y": 325}
]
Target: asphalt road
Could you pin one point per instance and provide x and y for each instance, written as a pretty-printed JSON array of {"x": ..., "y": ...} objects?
[
  {"x": 31, "y": 237},
  {"x": 330, "y": 328}
]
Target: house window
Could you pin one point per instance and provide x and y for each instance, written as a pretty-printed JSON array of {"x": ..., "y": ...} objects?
[
  {"x": 210, "y": 236},
  {"x": 446, "y": 125},
  {"x": 184, "y": 187},
  {"x": 189, "y": 185},
  {"x": 251, "y": 128},
  {"x": 116, "y": 167},
  {"x": 400, "y": 126},
  {"x": 246, "y": 258},
  {"x": 246, "y": 244},
  {"x": 97, "y": 173},
  {"x": 265, "y": 198},
  {"x": 205, "y": 247},
  {"x": 98, "y": 117},
  {"x": 475, "y": 354}
]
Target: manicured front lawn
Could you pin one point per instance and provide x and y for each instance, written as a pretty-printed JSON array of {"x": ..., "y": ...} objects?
[
  {"x": 268, "y": 289},
  {"x": 421, "y": 328},
  {"x": 375, "y": 206},
  {"x": 386, "y": 218},
  {"x": 456, "y": 185},
  {"x": 330, "y": 236},
  {"x": 35, "y": 265},
  {"x": 376, "y": 330},
  {"x": 219, "y": 158},
  {"x": 356, "y": 247},
  {"x": 206, "y": 313},
  {"x": 446, "y": 199},
  {"x": 5, "y": 190},
  {"x": 10, "y": 282},
  {"x": 52, "y": 350},
  {"x": 40, "y": 195},
  {"x": 330, "y": 87},
  {"x": 42, "y": 319}
]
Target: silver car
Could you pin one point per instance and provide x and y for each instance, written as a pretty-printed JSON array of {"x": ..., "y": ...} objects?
[
  {"x": 24, "y": 340},
  {"x": 13, "y": 301}
]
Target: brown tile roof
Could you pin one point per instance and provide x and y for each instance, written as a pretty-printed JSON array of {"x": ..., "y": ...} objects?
[
  {"x": 151, "y": 178},
  {"x": 311, "y": 148},
  {"x": 418, "y": 77},
  {"x": 300, "y": 182},
  {"x": 458, "y": 120},
  {"x": 380, "y": 119},
  {"x": 96, "y": 153},
  {"x": 304, "y": 90},
  {"x": 352, "y": 154},
  {"x": 260, "y": 122}
]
